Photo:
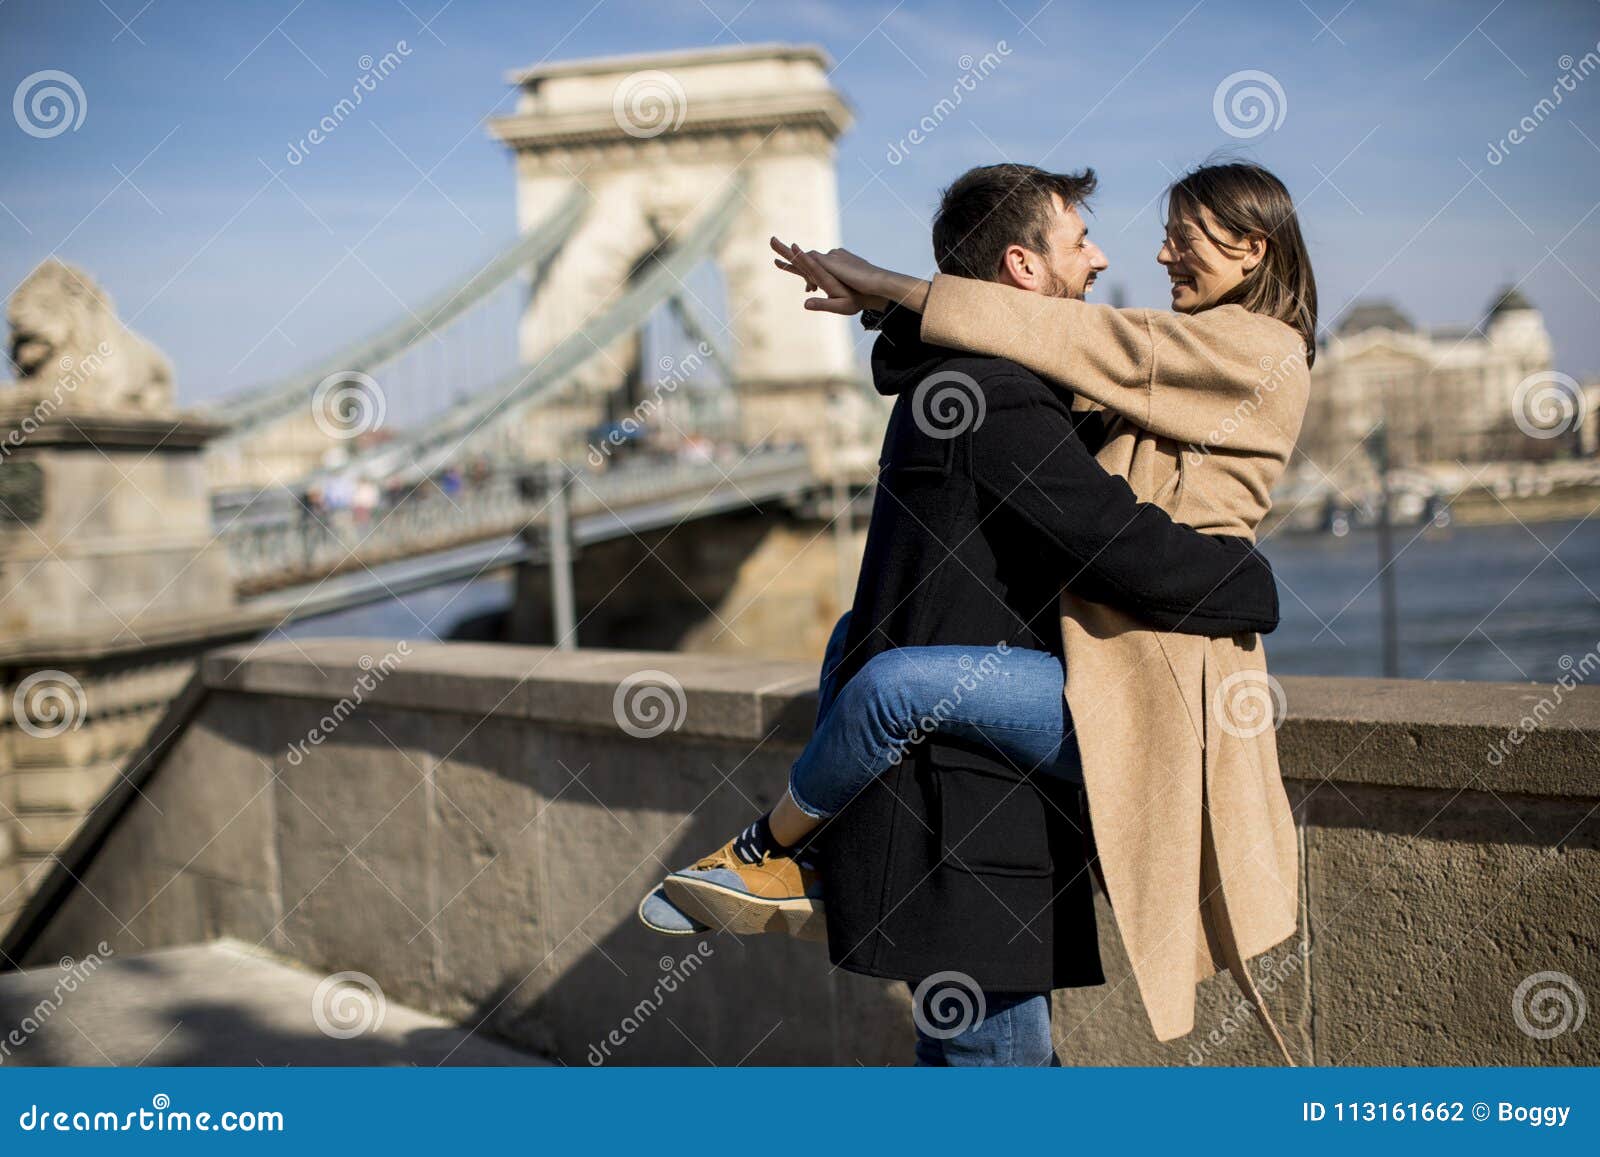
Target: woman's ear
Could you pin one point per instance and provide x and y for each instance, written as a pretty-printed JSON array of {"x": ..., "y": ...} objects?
[{"x": 1255, "y": 253}]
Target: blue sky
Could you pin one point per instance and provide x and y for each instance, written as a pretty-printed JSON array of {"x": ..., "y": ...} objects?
[{"x": 166, "y": 191}]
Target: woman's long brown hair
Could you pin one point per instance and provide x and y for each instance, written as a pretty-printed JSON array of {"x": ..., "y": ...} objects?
[{"x": 1248, "y": 201}]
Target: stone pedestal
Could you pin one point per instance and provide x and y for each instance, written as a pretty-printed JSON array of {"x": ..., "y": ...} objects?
[
  {"x": 105, "y": 527},
  {"x": 111, "y": 584}
]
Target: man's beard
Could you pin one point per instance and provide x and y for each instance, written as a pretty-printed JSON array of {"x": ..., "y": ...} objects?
[{"x": 1059, "y": 287}]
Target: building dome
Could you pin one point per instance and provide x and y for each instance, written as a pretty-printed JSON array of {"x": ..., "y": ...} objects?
[
  {"x": 1508, "y": 300},
  {"x": 1515, "y": 324},
  {"x": 1374, "y": 315}
]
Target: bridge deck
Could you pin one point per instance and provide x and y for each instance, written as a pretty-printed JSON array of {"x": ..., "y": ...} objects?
[{"x": 304, "y": 565}]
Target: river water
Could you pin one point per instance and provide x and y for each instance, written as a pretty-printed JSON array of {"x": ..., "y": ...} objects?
[{"x": 1475, "y": 602}]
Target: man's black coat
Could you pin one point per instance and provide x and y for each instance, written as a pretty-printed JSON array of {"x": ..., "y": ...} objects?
[{"x": 988, "y": 503}]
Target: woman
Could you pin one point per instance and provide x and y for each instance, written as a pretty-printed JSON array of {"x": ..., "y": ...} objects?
[{"x": 1174, "y": 732}]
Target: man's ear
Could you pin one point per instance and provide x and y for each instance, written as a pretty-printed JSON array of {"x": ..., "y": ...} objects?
[
  {"x": 1255, "y": 252},
  {"x": 1019, "y": 267}
]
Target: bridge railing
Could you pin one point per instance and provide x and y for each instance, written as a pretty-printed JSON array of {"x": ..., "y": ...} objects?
[{"x": 282, "y": 541}]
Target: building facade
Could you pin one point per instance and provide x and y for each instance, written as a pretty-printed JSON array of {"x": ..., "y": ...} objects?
[{"x": 1446, "y": 395}]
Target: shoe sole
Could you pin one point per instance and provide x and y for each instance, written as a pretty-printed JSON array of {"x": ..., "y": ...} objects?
[
  {"x": 746, "y": 915},
  {"x": 659, "y": 930}
]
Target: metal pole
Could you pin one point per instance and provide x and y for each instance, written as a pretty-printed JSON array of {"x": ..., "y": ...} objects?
[
  {"x": 564, "y": 619},
  {"x": 1386, "y": 584}
]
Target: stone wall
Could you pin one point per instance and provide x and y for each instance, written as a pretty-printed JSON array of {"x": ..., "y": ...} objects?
[
  {"x": 62, "y": 745},
  {"x": 472, "y": 826}
]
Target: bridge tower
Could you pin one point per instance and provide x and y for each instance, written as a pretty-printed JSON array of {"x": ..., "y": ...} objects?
[{"x": 655, "y": 140}]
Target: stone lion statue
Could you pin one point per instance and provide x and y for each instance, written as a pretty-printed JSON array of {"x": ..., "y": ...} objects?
[{"x": 67, "y": 342}]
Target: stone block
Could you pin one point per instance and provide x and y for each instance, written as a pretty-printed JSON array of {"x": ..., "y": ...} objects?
[
  {"x": 1430, "y": 910},
  {"x": 355, "y": 852},
  {"x": 68, "y": 789},
  {"x": 491, "y": 881},
  {"x": 212, "y": 805},
  {"x": 42, "y": 833},
  {"x": 96, "y": 740}
]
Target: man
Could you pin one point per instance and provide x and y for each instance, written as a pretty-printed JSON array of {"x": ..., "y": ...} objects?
[{"x": 963, "y": 863}]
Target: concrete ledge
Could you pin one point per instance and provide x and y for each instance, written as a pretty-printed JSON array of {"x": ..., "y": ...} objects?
[
  {"x": 1378, "y": 732},
  {"x": 722, "y": 697}
]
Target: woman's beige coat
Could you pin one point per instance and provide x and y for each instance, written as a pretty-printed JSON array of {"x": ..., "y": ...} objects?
[{"x": 1196, "y": 840}]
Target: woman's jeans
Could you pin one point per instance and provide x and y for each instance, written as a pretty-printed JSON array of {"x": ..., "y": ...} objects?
[
  {"x": 1012, "y": 701},
  {"x": 1009, "y": 698}
]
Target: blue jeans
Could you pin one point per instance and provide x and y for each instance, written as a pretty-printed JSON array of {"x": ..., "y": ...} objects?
[
  {"x": 1014, "y": 1031},
  {"x": 1010, "y": 700}
]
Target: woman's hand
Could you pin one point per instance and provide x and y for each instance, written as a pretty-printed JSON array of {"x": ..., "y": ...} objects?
[
  {"x": 839, "y": 298},
  {"x": 850, "y": 283}
]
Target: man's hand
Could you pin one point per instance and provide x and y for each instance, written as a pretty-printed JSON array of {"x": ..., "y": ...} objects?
[{"x": 848, "y": 282}]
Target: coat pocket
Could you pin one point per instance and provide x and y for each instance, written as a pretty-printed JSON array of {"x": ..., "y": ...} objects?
[{"x": 990, "y": 824}]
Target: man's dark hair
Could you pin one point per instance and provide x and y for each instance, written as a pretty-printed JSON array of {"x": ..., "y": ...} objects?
[{"x": 992, "y": 207}]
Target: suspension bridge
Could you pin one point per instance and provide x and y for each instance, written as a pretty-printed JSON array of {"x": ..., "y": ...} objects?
[{"x": 326, "y": 497}]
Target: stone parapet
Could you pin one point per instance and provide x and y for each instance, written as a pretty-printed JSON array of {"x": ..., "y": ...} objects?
[{"x": 473, "y": 825}]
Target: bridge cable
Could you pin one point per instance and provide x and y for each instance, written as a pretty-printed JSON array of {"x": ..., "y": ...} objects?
[
  {"x": 247, "y": 412},
  {"x": 529, "y": 386}
]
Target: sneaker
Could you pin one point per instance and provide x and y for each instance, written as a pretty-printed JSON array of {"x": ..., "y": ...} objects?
[
  {"x": 775, "y": 894},
  {"x": 660, "y": 914}
]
